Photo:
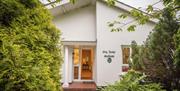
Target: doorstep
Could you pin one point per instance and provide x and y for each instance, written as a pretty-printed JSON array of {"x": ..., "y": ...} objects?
[{"x": 81, "y": 86}]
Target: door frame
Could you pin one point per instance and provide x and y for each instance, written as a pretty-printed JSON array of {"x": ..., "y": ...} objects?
[{"x": 79, "y": 65}]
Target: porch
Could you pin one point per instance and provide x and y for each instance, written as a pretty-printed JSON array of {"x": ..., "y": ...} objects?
[
  {"x": 78, "y": 65},
  {"x": 81, "y": 86}
]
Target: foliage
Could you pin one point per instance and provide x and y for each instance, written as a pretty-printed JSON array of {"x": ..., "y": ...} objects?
[
  {"x": 155, "y": 70},
  {"x": 110, "y": 2},
  {"x": 174, "y": 3},
  {"x": 7, "y": 13},
  {"x": 142, "y": 17},
  {"x": 29, "y": 47},
  {"x": 133, "y": 81},
  {"x": 73, "y": 1},
  {"x": 137, "y": 61},
  {"x": 177, "y": 51},
  {"x": 131, "y": 28},
  {"x": 157, "y": 56}
]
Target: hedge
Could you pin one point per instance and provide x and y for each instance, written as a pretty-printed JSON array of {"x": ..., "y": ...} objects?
[{"x": 30, "y": 54}]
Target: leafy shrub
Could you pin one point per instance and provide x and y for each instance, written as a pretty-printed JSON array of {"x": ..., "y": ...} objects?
[
  {"x": 9, "y": 10},
  {"x": 177, "y": 51},
  {"x": 29, "y": 47},
  {"x": 160, "y": 62},
  {"x": 133, "y": 81},
  {"x": 29, "y": 3}
]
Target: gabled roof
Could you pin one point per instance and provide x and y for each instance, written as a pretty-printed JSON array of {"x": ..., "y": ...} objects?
[{"x": 66, "y": 6}]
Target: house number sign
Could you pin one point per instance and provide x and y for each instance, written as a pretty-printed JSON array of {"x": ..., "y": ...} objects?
[{"x": 108, "y": 55}]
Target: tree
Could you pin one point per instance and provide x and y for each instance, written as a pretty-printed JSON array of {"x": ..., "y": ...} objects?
[
  {"x": 137, "y": 62},
  {"x": 30, "y": 55},
  {"x": 177, "y": 47},
  {"x": 158, "y": 53}
]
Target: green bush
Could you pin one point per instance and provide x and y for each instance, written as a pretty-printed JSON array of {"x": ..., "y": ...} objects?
[
  {"x": 9, "y": 10},
  {"x": 177, "y": 51},
  {"x": 133, "y": 81},
  {"x": 30, "y": 55},
  {"x": 160, "y": 62}
]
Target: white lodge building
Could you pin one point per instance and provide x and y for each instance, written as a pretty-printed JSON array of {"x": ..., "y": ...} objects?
[{"x": 91, "y": 51}]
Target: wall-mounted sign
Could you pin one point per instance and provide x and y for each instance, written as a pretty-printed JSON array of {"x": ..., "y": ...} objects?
[
  {"x": 109, "y": 60},
  {"x": 108, "y": 55}
]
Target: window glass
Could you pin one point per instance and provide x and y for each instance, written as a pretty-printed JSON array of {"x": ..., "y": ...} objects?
[
  {"x": 76, "y": 72},
  {"x": 126, "y": 55},
  {"x": 76, "y": 56}
]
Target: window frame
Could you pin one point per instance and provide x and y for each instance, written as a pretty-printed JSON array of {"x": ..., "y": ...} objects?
[{"x": 130, "y": 53}]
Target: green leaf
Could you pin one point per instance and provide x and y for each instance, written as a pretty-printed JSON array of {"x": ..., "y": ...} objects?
[
  {"x": 123, "y": 16},
  {"x": 119, "y": 29},
  {"x": 73, "y": 1},
  {"x": 111, "y": 24},
  {"x": 131, "y": 28},
  {"x": 143, "y": 20},
  {"x": 136, "y": 13},
  {"x": 149, "y": 8},
  {"x": 116, "y": 29},
  {"x": 113, "y": 30},
  {"x": 111, "y": 2}
]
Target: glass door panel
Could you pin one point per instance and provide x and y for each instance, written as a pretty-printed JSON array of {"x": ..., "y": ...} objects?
[
  {"x": 76, "y": 72},
  {"x": 76, "y": 63},
  {"x": 86, "y": 64},
  {"x": 82, "y": 63}
]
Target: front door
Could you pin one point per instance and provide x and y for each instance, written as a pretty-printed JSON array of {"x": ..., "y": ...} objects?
[
  {"x": 86, "y": 64},
  {"x": 83, "y": 63}
]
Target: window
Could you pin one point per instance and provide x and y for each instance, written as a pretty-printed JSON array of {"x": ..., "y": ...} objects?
[
  {"x": 126, "y": 51},
  {"x": 76, "y": 56},
  {"x": 126, "y": 55}
]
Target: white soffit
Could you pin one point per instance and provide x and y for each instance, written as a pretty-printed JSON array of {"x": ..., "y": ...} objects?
[
  {"x": 67, "y": 6},
  {"x": 84, "y": 43}
]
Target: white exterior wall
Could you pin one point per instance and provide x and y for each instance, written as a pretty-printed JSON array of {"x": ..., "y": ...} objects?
[
  {"x": 77, "y": 25},
  {"x": 90, "y": 24},
  {"x": 106, "y": 40}
]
